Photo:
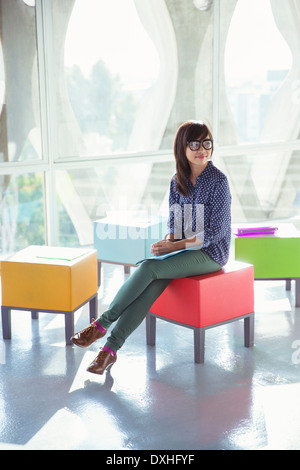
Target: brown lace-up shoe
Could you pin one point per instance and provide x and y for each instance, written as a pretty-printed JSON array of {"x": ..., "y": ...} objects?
[
  {"x": 88, "y": 336},
  {"x": 104, "y": 360}
]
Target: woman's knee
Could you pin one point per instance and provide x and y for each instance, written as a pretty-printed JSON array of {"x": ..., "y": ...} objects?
[{"x": 147, "y": 268}]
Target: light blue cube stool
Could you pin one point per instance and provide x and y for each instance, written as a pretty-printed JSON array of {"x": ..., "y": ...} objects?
[{"x": 126, "y": 240}]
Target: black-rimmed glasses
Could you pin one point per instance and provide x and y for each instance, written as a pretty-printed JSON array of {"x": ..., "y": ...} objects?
[{"x": 194, "y": 145}]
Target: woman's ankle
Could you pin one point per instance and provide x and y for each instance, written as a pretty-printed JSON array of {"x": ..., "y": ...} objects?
[
  {"x": 106, "y": 348},
  {"x": 100, "y": 328}
]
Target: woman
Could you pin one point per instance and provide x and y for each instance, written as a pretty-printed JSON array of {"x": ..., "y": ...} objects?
[{"x": 199, "y": 221}]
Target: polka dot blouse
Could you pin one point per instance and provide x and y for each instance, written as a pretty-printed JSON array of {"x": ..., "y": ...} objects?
[{"x": 205, "y": 212}]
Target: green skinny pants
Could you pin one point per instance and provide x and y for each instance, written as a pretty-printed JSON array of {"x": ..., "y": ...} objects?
[{"x": 134, "y": 299}]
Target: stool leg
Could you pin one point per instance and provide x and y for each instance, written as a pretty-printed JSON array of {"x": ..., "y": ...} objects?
[
  {"x": 99, "y": 273},
  {"x": 297, "y": 291},
  {"x": 126, "y": 269},
  {"x": 6, "y": 322},
  {"x": 69, "y": 326},
  {"x": 150, "y": 329},
  {"x": 94, "y": 307},
  {"x": 199, "y": 345},
  {"x": 34, "y": 314},
  {"x": 249, "y": 331}
]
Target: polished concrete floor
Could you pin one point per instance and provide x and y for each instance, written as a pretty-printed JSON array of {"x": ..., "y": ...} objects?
[{"x": 155, "y": 397}]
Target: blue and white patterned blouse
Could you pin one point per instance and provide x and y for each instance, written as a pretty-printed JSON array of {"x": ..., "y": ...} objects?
[{"x": 205, "y": 212}]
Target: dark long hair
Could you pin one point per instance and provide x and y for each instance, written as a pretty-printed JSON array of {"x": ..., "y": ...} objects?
[{"x": 189, "y": 130}]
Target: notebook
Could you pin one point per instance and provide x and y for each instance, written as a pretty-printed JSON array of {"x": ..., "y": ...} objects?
[{"x": 254, "y": 231}]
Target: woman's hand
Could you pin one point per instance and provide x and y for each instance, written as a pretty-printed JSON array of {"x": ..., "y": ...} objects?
[
  {"x": 168, "y": 245},
  {"x": 162, "y": 247}
]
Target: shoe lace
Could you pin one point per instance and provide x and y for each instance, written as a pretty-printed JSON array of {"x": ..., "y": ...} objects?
[
  {"x": 102, "y": 354},
  {"x": 86, "y": 330}
]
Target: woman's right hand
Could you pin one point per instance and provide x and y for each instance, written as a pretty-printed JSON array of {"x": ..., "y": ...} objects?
[{"x": 162, "y": 247}]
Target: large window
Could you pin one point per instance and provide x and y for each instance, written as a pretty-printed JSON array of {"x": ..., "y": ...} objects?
[
  {"x": 259, "y": 106},
  {"x": 258, "y": 65},
  {"x": 133, "y": 74},
  {"x": 22, "y": 215},
  {"x": 93, "y": 91},
  {"x": 22, "y": 218},
  {"x": 88, "y": 194},
  {"x": 20, "y": 129},
  {"x": 112, "y": 72}
]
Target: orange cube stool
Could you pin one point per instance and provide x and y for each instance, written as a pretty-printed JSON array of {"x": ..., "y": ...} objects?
[
  {"x": 49, "y": 279},
  {"x": 206, "y": 301}
]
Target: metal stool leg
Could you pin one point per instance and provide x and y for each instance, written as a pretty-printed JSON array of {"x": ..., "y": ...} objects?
[
  {"x": 94, "y": 307},
  {"x": 6, "y": 322},
  {"x": 249, "y": 331},
  {"x": 199, "y": 345},
  {"x": 34, "y": 314},
  {"x": 150, "y": 329},
  {"x": 69, "y": 326},
  {"x": 98, "y": 273},
  {"x": 297, "y": 291}
]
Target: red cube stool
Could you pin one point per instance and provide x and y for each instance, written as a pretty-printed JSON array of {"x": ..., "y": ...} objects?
[{"x": 206, "y": 301}]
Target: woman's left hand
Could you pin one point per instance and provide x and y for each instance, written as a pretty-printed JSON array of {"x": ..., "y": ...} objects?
[{"x": 162, "y": 247}]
